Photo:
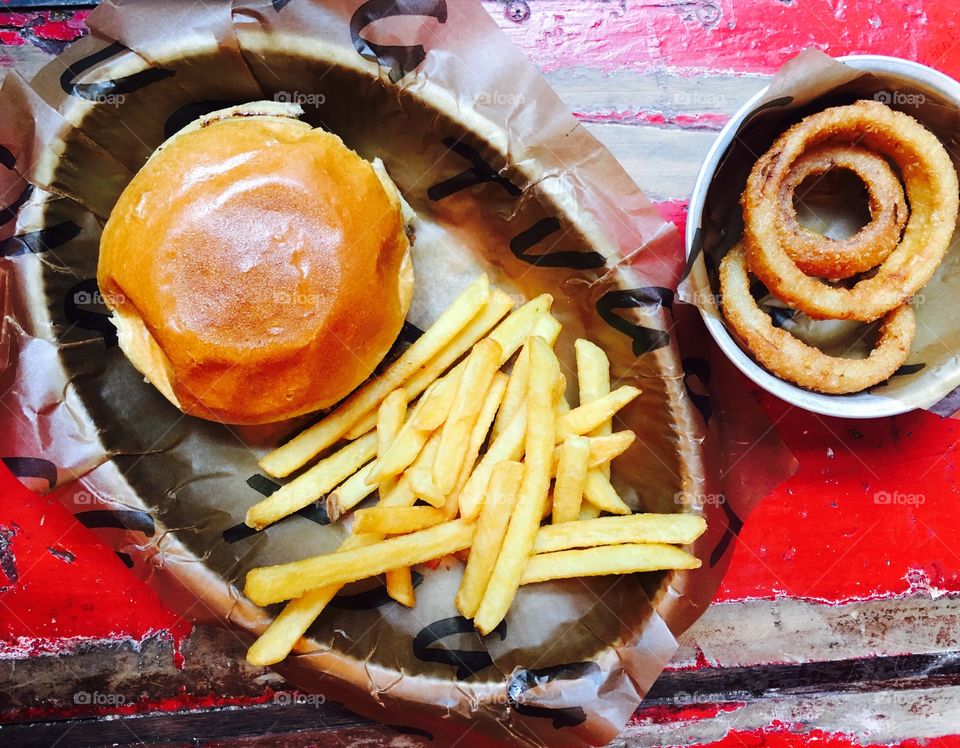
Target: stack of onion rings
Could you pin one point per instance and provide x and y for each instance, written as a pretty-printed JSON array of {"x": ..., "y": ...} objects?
[
  {"x": 901, "y": 249},
  {"x": 932, "y": 191},
  {"x": 817, "y": 255},
  {"x": 791, "y": 358}
]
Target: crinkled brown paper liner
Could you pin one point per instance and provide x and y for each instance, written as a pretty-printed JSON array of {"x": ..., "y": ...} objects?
[
  {"x": 813, "y": 81},
  {"x": 499, "y": 174}
]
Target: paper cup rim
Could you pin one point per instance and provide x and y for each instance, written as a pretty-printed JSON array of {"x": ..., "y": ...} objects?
[{"x": 861, "y": 405}]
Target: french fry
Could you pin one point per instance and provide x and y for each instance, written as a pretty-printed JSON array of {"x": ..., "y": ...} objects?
[
  {"x": 292, "y": 623},
  {"x": 303, "y": 447},
  {"x": 400, "y": 586},
  {"x": 399, "y": 582},
  {"x": 401, "y": 495},
  {"x": 273, "y": 584},
  {"x": 516, "y": 392},
  {"x": 390, "y": 417},
  {"x": 451, "y": 506},
  {"x": 508, "y": 446},
  {"x": 421, "y": 473},
  {"x": 406, "y": 447},
  {"x": 491, "y": 527},
  {"x": 677, "y": 529},
  {"x": 548, "y": 328},
  {"x": 507, "y": 334},
  {"x": 435, "y": 411},
  {"x": 515, "y": 329},
  {"x": 603, "y": 449},
  {"x": 482, "y": 364},
  {"x": 420, "y": 476},
  {"x": 593, "y": 381},
  {"x": 600, "y": 492},
  {"x": 593, "y": 373},
  {"x": 421, "y": 482},
  {"x": 585, "y": 418},
  {"x": 588, "y": 511},
  {"x": 481, "y": 429},
  {"x": 384, "y": 520},
  {"x": 348, "y": 494},
  {"x": 510, "y": 334},
  {"x": 532, "y": 497},
  {"x": 313, "y": 484},
  {"x": 607, "y": 559},
  {"x": 571, "y": 478},
  {"x": 547, "y": 507},
  {"x": 282, "y": 635}
]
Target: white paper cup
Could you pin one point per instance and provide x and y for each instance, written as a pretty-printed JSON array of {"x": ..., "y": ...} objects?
[{"x": 898, "y": 80}]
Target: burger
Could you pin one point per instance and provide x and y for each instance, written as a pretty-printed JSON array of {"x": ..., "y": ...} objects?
[{"x": 256, "y": 267}]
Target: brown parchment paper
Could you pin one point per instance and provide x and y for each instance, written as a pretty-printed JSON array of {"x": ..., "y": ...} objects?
[
  {"x": 504, "y": 181},
  {"x": 811, "y": 82}
]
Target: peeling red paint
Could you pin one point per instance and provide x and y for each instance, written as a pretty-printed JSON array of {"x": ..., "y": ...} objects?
[
  {"x": 753, "y": 37},
  {"x": 700, "y": 662},
  {"x": 48, "y": 29},
  {"x": 134, "y": 704},
  {"x": 11, "y": 38},
  {"x": 683, "y": 121},
  {"x": 64, "y": 31},
  {"x": 16, "y": 19},
  {"x": 53, "y": 607},
  {"x": 777, "y": 736},
  {"x": 684, "y": 711},
  {"x": 871, "y": 512}
]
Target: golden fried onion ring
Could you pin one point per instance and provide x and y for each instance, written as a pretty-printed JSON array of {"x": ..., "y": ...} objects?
[
  {"x": 823, "y": 257},
  {"x": 932, "y": 191},
  {"x": 790, "y": 358}
]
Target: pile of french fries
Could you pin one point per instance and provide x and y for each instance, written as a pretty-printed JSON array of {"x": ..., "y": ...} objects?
[{"x": 465, "y": 456}]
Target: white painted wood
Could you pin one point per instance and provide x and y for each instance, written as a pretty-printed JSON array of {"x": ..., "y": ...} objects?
[
  {"x": 663, "y": 162},
  {"x": 884, "y": 717},
  {"x": 585, "y": 90},
  {"x": 786, "y": 631}
]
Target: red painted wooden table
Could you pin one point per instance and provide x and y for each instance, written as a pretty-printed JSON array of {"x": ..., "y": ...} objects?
[{"x": 838, "y": 620}]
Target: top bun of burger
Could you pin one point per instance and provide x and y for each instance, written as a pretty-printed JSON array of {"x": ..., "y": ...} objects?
[{"x": 256, "y": 267}]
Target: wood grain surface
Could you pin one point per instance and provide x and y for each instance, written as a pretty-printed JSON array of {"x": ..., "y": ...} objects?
[{"x": 838, "y": 620}]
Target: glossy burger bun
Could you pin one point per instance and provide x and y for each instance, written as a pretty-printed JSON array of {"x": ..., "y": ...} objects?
[{"x": 257, "y": 268}]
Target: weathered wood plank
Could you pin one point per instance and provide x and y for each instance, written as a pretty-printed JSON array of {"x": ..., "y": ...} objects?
[
  {"x": 880, "y": 699},
  {"x": 871, "y": 717},
  {"x": 697, "y": 36},
  {"x": 658, "y": 125},
  {"x": 288, "y": 725},
  {"x": 755, "y": 632},
  {"x": 36, "y": 4},
  {"x": 213, "y": 665},
  {"x": 742, "y": 635},
  {"x": 663, "y": 162},
  {"x": 620, "y": 94}
]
